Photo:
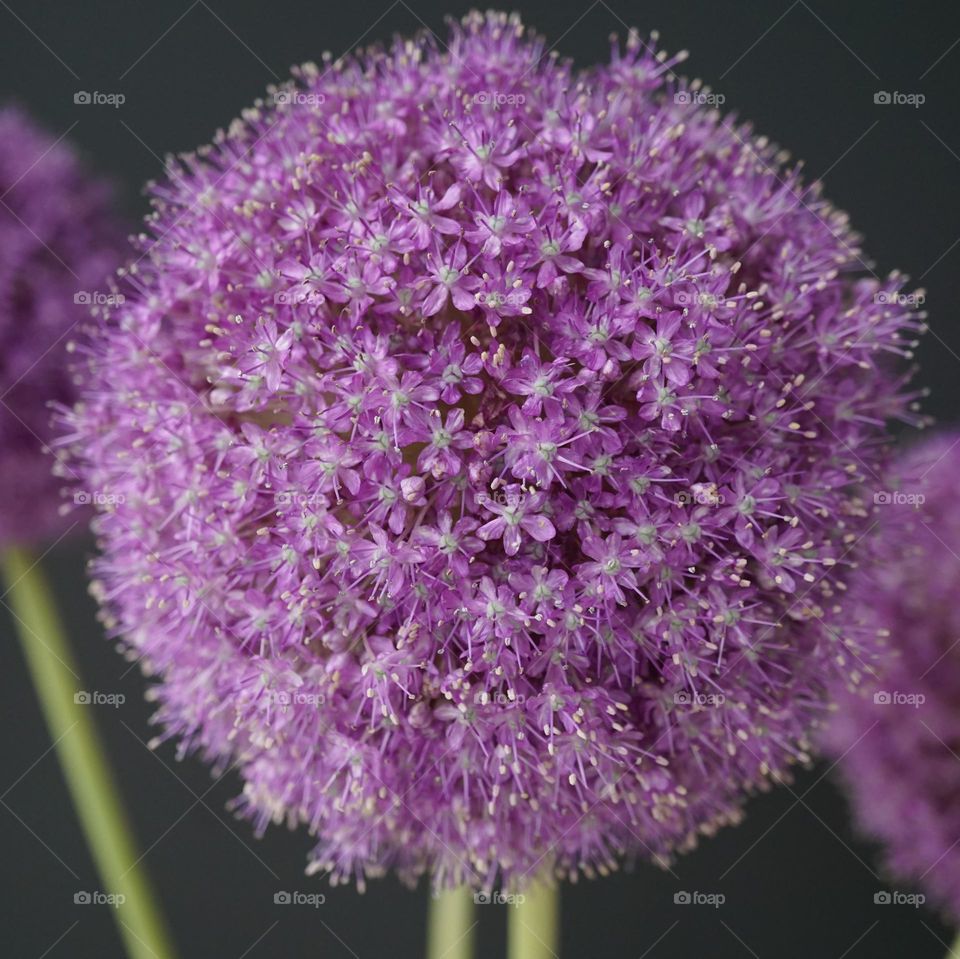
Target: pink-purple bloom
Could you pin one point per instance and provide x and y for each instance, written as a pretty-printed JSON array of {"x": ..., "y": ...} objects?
[
  {"x": 896, "y": 739},
  {"x": 58, "y": 244},
  {"x": 488, "y": 440}
]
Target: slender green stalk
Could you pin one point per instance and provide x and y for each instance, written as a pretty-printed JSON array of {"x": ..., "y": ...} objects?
[
  {"x": 955, "y": 949},
  {"x": 82, "y": 758},
  {"x": 533, "y": 927},
  {"x": 450, "y": 925}
]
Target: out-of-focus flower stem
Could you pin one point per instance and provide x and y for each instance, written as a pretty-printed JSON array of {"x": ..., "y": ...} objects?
[
  {"x": 533, "y": 927},
  {"x": 450, "y": 925},
  {"x": 82, "y": 757},
  {"x": 955, "y": 949}
]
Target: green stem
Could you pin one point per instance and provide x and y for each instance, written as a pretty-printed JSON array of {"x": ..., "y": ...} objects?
[
  {"x": 955, "y": 949},
  {"x": 450, "y": 925},
  {"x": 82, "y": 758},
  {"x": 533, "y": 927}
]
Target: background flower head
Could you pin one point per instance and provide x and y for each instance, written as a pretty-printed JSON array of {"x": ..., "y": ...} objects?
[
  {"x": 58, "y": 244},
  {"x": 896, "y": 744},
  {"x": 486, "y": 441}
]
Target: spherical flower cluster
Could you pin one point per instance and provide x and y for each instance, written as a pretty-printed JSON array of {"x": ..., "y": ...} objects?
[
  {"x": 57, "y": 245},
  {"x": 896, "y": 745},
  {"x": 485, "y": 440}
]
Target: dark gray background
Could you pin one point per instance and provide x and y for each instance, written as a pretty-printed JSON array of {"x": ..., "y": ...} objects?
[{"x": 797, "y": 881}]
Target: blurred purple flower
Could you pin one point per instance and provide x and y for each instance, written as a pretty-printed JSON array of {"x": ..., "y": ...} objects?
[
  {"x": 896, "y": 736},
  {"x": 58, "y": 246}
]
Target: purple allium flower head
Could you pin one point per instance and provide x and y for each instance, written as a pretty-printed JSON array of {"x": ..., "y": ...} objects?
[
  {"x": 57, "y": 245},
  {"x": 896, "y": 744},
  {"x": 485, "y": 440}
]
